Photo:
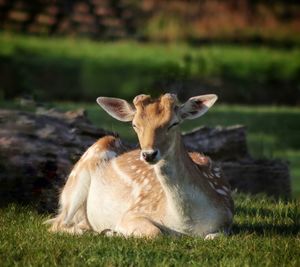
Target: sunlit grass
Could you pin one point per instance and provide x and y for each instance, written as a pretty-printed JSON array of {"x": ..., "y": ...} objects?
[
  {"x": 265, "y": 233},
  {"x": 204, "y": 61},
  {"x": 66, "y": 68}
]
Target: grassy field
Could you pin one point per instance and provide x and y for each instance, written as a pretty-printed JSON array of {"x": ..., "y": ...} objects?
[
  {"x": 77, "y": 69},
  {"x": 265, "y": 233},
  {"x": 204, "y": 60}
]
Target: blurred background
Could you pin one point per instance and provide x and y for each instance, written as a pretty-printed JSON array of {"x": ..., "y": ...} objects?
[{"x": 64, "y": 54}]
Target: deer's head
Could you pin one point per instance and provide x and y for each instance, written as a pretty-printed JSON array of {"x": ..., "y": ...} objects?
[{"x": 156, "y": 120}]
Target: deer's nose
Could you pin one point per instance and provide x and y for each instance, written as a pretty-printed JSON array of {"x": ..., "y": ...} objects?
[{"x": 150, "y": 155}]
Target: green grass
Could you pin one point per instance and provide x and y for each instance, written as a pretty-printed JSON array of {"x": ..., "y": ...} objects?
[
  {"x": 265, "y": 233},
  {"x": 209, "y": 60},
  {"x": 60, "y": 68}
]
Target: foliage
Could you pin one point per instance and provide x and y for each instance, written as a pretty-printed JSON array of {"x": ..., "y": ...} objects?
[
  {"x": 265, "y": 233},
  {"x": 76, "y": 69},
  {"x": 256, "y": 21}
]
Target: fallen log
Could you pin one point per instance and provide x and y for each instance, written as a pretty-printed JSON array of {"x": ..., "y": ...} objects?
[
  {"x": 224, "y": 144},
  {"x": 228, "y": 146},
  {"x": 37, "y": 151},
  {"x": 252, "y": 176}
]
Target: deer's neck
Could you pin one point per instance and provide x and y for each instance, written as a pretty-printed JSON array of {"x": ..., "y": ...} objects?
[
  {"x": 177, "y": 168},
  {"x": 176, "y": 173}
]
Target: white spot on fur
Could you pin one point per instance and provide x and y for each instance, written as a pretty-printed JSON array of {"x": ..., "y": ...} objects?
[
  {"x": 121, "y": 174},
  {"x": 133, "y": 167},
  {"x": 148, "y": 187},
  {"x": 136, "y": 188},
  {"x": 145, "y": 182},
  {"x": 138, "y": 199},
  {"x": 136, "y": 191}
]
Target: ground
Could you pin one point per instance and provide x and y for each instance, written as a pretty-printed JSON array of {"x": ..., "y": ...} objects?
[{"x": 265, "y": 233}]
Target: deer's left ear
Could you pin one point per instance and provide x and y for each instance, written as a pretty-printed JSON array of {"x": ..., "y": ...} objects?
[
  {"x": 196, "y": 106},
  {"x": 117, "y": 108}
]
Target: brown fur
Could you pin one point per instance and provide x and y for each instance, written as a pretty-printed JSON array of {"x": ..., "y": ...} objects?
[{"x": 139, "y": 185}]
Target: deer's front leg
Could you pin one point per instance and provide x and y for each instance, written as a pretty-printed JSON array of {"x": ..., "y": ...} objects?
[
  {"x": 72, "y": 213},
  {"x": 137, "y": 226},
  {"x": 72, "y": 210},
  {"x": 75, "y": 193}
]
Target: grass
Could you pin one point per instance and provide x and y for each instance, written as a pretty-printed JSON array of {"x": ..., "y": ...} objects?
[
  {"x": 265, "y": 233},
  {"x": 61, "y": 68},
  {"x": 209, "y": 60}
]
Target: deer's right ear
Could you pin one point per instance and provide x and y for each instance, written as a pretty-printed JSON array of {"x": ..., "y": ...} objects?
[{"x": 117, "y": 108}]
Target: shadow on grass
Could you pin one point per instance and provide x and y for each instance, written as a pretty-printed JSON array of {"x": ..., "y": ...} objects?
[
  {"x": 253, "y": 211},
  {"x": 266, "y": 229},
  {"x": 281, "y": 219}
]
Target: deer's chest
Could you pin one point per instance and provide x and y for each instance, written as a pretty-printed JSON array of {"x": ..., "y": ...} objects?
[{"x": 190, "y": 211}]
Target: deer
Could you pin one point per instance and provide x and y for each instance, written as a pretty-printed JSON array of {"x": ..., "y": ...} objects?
[{"x": 159, "y": 188}]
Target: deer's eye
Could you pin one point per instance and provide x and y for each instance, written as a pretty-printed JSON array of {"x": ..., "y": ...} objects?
[
  {"x": 134, "y": 126},
  {"x": 173, "y": 124}
]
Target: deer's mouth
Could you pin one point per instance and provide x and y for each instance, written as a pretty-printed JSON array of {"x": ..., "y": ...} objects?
[{"x": 150, "y": 156}]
